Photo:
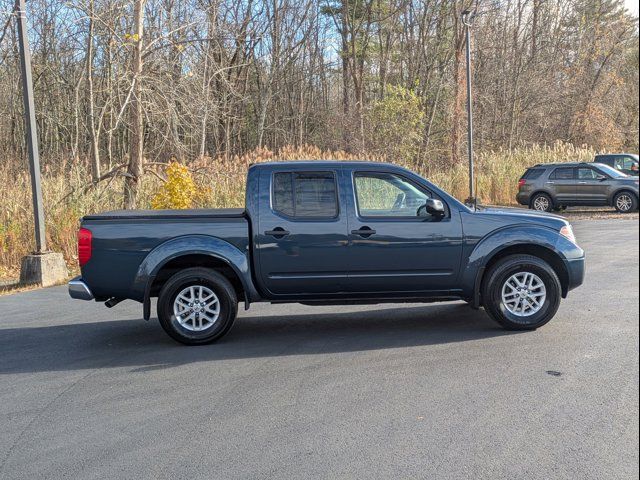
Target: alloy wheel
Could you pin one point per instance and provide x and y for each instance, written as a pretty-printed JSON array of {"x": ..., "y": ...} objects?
[
  {"x": 624, "y": 202},
  {"x": 541, "y": 203},
  {"x": 524, "y": 294},
  {"x": 196, "y": 308}
]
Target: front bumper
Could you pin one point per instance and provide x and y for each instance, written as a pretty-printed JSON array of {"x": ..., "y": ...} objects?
[
  {"x": 79, "y": 290},
  {"x": 576, "y": 268}
]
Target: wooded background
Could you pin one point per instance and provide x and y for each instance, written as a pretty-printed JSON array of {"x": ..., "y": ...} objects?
[{"x": 125, "y": 83}]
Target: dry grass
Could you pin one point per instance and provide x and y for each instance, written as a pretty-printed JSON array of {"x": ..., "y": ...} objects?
[{"x": 66, "y": 199}]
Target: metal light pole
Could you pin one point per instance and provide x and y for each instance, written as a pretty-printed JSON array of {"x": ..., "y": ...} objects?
[
  {"x": 467, "y": 17},
  {"x": 31, "y": 127},
  {"x": 42, "y": 267}
]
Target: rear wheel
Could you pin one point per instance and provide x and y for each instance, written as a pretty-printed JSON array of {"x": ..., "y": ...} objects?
[
  {"x": 625, "y": 202},
  {"x": 197, "y": 306},
  {"x": 521, "y": 292},
  {"x": 541, "y": 202}
]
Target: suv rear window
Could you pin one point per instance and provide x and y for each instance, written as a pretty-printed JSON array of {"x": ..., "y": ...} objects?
[
  {"x": 305, "y": 194},
  {"x": 563, "y": 174},
  {"x": 533, "y": 173}
]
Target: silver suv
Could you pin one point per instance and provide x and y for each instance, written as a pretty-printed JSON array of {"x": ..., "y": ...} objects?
[{"x": 555, "y": 186}]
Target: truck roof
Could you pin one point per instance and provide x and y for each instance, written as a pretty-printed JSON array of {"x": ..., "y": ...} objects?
[{"x": 315, "y": 163}]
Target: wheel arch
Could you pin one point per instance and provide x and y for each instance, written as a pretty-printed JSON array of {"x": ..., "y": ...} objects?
[
  {"x": 537, "y": 241},
  {"x": 548, "y": 255},
  {"x": 192, "y": 251}
]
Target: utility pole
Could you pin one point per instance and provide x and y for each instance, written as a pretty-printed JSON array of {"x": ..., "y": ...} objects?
[
  {"x": 42, "y": 267},
  {"x": 467, "y": 18},
  {"x": 31, "y": 127}
]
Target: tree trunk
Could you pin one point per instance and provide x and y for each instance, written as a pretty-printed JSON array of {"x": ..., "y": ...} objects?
[
  {"x": 95, "y": 147},
  {"x": 135, "y": 170}
]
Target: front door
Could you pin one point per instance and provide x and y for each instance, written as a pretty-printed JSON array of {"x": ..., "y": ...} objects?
[
  {"x": 302, "y": 234},
  {"x": 591, "y": 188},
  {"x": 393, "y": 246}
]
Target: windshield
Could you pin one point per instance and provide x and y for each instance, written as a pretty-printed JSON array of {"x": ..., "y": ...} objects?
[{"x": 612, "y": 172}]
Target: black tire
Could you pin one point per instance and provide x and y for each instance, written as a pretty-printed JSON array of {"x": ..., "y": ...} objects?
[
  {"x": 625, "y": 202},
  {"x": 211, "y": 280},
  {"x": 541, "y": 202},
  {"x": 501, "y": 272}
]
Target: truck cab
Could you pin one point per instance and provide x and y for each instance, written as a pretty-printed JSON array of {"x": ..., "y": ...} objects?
[{"x": 626, "y": 163}]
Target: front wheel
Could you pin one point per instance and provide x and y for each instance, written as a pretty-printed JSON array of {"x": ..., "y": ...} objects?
[
  {"x": 197, "y": 306},
  {"x": 625, "y": 202},
  {"x": 521, "y": 292}
]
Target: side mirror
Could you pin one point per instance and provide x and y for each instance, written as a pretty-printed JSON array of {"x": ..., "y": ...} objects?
[
  {"x": 602, "y": 178},
  {"x": 432, "y": 207}
]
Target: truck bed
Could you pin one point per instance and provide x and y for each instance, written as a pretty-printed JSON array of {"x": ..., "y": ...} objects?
[
  {"x": 122, "y": 239},
  {"x": 169, "y": 214}
]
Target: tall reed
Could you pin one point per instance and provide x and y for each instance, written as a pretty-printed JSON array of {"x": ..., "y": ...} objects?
[{"x": 67, "y": 196}]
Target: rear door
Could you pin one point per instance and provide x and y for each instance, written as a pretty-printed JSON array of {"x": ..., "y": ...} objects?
[
  {"x": 562, "y": 183},
  {"x": 302, "y": 232},
  {"x": 591, "y": 189}
]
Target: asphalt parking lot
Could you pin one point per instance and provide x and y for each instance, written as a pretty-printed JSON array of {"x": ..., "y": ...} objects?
[{"x": 390, "y": 391}]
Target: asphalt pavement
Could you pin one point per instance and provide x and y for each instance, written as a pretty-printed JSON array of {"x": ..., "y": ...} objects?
[{"x": 391, "y": 391}]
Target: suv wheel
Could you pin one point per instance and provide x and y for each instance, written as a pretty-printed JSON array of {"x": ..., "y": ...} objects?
[
  {"x": 541, "y": 202},
  {"x": 521, "y": 292},
  {"x": 625, "y": 202},
  {"x": 197, "y": 306}
]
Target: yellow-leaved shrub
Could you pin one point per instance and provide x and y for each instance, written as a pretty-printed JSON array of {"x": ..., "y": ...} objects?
[{"x": 179, "y": 191}]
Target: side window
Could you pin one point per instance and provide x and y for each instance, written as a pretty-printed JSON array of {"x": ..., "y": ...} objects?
[
  {"x": 305, "y": 194},
  {"x": 387, "y": 195},
  {"x": 283, "y": 194},
  {"x": 587, "y": 174},
  {"x": 619, "y": 163},
  {"x": 533, "y": 173},
  {"x": 562, "y": 174},
  {"x": 629, "y": 164}
]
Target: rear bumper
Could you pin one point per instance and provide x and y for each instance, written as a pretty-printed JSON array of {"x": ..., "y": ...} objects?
[
  {"x": 79, "y": 290},
  {"x": 522, "y": 198}
]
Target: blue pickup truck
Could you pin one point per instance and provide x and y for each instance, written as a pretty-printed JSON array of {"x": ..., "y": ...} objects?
[{"x": 324, "y": 233}]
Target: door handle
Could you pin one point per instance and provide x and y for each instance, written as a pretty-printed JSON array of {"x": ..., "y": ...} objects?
[
  {"x": 277, "y": 232},
  {"x": 582, "y": 183},
  {"x": 364, "y": 232},
  {"x": 550, "y": 183}
]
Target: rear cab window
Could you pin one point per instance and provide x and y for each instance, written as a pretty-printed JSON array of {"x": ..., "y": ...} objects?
[{"x": 305, "y": 195}]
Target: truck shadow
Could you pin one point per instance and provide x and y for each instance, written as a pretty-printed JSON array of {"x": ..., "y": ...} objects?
[{"x": 143, "y": 346}]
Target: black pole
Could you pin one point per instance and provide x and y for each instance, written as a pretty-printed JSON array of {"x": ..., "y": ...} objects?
[
  {"x": 466, "y": 18},
  {"x": 31, "y": 127}
]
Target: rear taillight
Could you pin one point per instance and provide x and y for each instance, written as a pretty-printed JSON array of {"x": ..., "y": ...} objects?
[
  {"x": 84, "y": 246},
  {"x": 521, "y": 183}
]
